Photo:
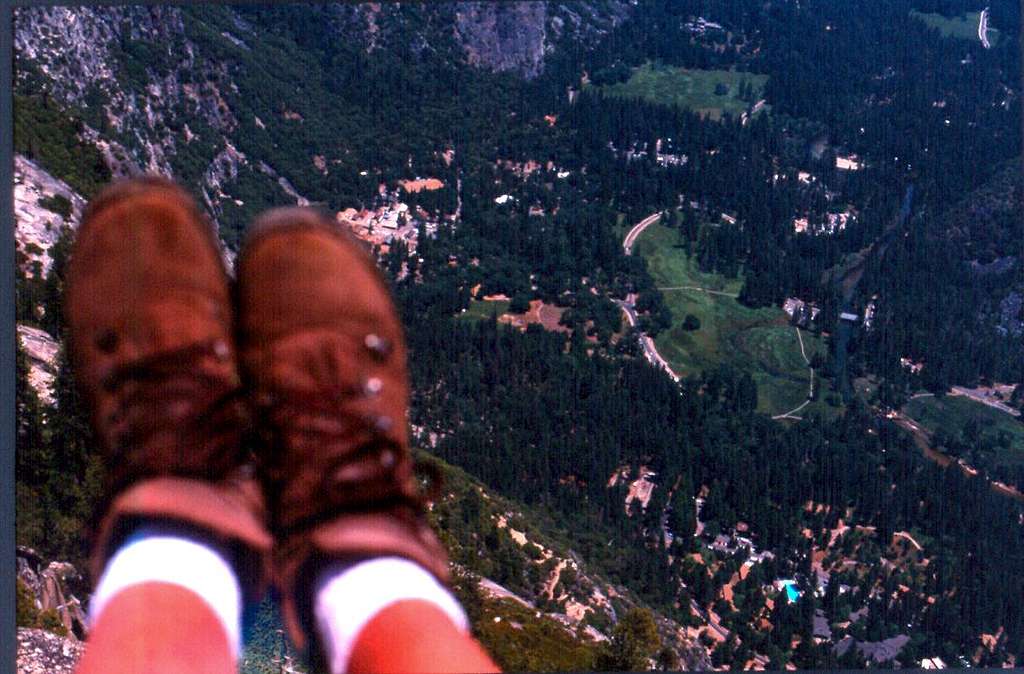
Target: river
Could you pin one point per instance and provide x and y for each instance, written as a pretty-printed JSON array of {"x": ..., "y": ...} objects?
[{"x": 847, "y": 285}]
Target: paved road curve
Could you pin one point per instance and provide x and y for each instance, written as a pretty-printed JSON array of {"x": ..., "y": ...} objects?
[
  {"x": 638, "y": 229},
  {"x": 983, "y": 29},
  {"x": 628, "y": 305}
]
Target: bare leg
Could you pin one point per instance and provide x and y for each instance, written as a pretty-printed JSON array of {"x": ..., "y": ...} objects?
[
  {"x": 416, "y": 636},
  {"x": 157, "y": 628}
]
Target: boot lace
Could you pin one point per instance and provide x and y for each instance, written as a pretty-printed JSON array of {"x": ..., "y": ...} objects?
[
  {"x": 176, "y": 412},
  {"x": 343, "y": 452}
]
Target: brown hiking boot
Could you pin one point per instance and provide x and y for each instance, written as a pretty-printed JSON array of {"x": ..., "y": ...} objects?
[
  {"x": 150, "y": 335},
  {"x": 323, "y": 353}
]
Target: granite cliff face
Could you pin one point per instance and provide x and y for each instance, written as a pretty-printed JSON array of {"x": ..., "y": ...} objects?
[
  {"x": 36, "y": 194},
  {"x": 500, "y": 36},
  {"x": 517, "y": 36},
  {"x": 102, "y": 62},
  {"x": 72, "y": 51}
]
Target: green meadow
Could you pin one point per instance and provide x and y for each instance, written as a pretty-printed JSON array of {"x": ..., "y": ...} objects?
[
  {"x": 964, "y": 27},
  {"x": 480, "y": 310},
  {"x": 691, "y": 89},
  {"x": 978, "y": 424},
  {"x": 759, "y": 341}
]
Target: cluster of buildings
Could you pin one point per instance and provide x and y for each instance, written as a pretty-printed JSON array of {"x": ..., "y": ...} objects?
[
  {"x": 850, "y": 162},
  {"x": 700, "y": 25},
  {"x": 802, "y": 314},
  {"x": 383, "y": 226},
  {"x": 639, "y": 151},
  {"x": 833, "y": 222},
  {"x": 393, "y": 221}
]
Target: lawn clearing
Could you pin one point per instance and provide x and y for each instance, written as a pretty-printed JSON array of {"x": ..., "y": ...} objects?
[
  {"x": 671, "y": 267},
  {"x": 758, "y": 341},
  {"x": 977, "y": 423},
  {"x": 481, "y": 310},
  {"x": 691, "y": 89},
  {"x": 963, "y": 27}
]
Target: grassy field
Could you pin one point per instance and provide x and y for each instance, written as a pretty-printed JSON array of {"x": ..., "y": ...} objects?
[
  {"x": 958, "y": 414},
  {"x": 759, "y": 341},
  {"x": 692, "y": 89},
  {"x": 964, "y": 27},
  {"x": 480, "y": 310}
]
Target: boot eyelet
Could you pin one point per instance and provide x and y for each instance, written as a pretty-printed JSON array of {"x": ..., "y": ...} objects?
[
  {"x": 387, "y": 458},
  {"x": 372, "y": 386},
  {"x": 107, "y": 341},
  {"x": 383, "y": 424},
  {"x": 377, "y": 345},
  {"x": 221, "y": 350}
]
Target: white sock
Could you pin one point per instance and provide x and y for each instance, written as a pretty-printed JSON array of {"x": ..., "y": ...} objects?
[
  {"x": 349, "y": 596},
  {"x": 154, "y": 555}
]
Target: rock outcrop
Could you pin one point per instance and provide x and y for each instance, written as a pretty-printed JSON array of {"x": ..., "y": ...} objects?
[
  {"x": 42, "y": 652},
  {"x": 517, "y": 36},
  {"x": 49, "y": 586},
  {"x": 36, "y": 196},
  {"x": 42, "y": 351}
]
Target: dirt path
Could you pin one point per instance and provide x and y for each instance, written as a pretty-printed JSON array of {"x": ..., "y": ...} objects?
[
  {"x": 703, "y": 290},
  {"x": 904, "y": 534},
  {"x": 552, "y": 582}
]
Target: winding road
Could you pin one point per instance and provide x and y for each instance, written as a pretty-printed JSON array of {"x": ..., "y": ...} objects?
[
  {"x": 650, "y": 350},
  {"x": 983, "y": 29},
  {"x": 638, "y": 229},
  {"x": 628, "y": 305}
]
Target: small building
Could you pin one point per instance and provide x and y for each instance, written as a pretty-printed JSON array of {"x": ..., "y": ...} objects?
[
  {"x": 802, "y": 314},
  {"x": 849, "y": 163},
  {"x": 722, "y": 544},
  {"x": 837, "y": 221},
  {"x": 822, "y": 631},
  {"x": 419, "y": 184},
  {"x": 908, "y": 364},
  {"x": 869, "y": 314}
]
